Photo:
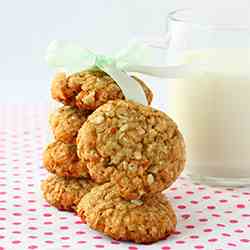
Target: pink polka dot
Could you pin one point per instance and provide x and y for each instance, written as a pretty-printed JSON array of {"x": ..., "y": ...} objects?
[
  {"x": 47, "y": 214},
  {"x": 220, "y": 225},
  {"x": 213, "y": 240},
  {"x": 238, "y": 231},
  {"x": 226, "y": 234},
  {"x": 47, "y": 222},
  {"x": 2, "y": 218},
  {"x": 185, "y": 216},
  {"x": 32, "y": 247},
  {"x": 97, "y": 237},
  {"x": 231, "y": 244},
  {"x": 49, "y": 241},
  {"x": 1, "y": 248},
  {"x": 16, "y": 232},
  {"x": 32, "y": 237},
  {"x": 48, "y": 233},
  {"x": 235, "y": 196},
  {"x": 32, "y": 218},
  {"x": 17, "y": 214},
  {"x": 216, "y": 215},
  {"x": 245, "y": 215},
  {"x": 166, "y": 248},
  {"x": 31, "y": 201},
  {"x": 194, "y": 237},
  {"x": 240, "y": 206},
  {"x": 177, "y": 197},
  {"x": 63, "y": 218},
  {"x": 181, "y": 206},
  {"x": 245, "y": 240},
  {"x": 199, "y": 247},
  {"x": 102, "y": 246},
  {"x": 194, "y": 202},
  {"x": 79, "y": 222},
  {"x": 208, "y": 230},
  {"x": 80, "y": 232},
  {"x": 206, "y": 197},
  {"x": 189, "y": 192},
  {"x": 190, "y": 226},
  {"x": 64, "y": 227},
  {"x": 2, "y": 237},
  {"x": 16, "y": 223},
  {"x": 203, "y": 219},
  {"x": 65, "y": 238},
  {"x": 31, "y": 209},
  {"x": 115, "y": 242},
  {"x": 65, "y": 246},
  {"x": 16, "y": 242},
  {"x": 210, "y": 207},
  {"x": 180, "y": 242},
  {"x": 233, "y": 221}
]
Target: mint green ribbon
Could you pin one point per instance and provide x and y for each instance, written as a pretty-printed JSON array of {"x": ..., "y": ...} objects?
[{"x": 73, "y": 58}]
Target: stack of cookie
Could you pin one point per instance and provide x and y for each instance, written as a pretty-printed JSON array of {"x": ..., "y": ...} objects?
[{"x": 112, "y": 158}]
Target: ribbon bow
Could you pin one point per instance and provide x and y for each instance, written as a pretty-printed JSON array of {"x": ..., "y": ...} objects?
[{"x": 135, "y": 58}]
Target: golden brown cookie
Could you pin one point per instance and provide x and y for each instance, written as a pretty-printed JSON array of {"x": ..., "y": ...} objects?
[
  {"x": 137, "y": 147},
  {"x": 89, "y": 89},
  {"x": 61, "y": 159},
  {"x": 141, "y": 221},
  {"x": 65, "y": 193},
  {"x": 65, "y": 123}
]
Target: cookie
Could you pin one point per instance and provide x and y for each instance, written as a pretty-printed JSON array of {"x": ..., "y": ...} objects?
[
  {"x": 89, "y": 89},
  {"x": 65, "y": 193},
  {"x": 141, "y": 221},
  {"x": 135, "y": 146},
  {"x": 61, "y": 159},
  {"x": 65, "y": 123}
]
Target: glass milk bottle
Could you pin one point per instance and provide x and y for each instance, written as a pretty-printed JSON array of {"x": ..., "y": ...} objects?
[{"x": 212, "y": 105}]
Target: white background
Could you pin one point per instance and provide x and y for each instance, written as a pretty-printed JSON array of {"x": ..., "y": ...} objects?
[{"x": 27, "y": 26}]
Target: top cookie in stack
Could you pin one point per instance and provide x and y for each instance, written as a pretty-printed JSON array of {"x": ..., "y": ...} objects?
[{"x": 88, "y": 90}]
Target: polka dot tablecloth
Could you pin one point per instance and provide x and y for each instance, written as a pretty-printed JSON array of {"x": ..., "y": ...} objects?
[{"x": 208, "y": 217}]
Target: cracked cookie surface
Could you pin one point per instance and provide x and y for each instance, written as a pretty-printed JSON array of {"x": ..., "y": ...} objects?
[
  {"x": 89, "y": 89},
  {"x": 141, "y": 221},
  {"x": 65, "y": 193},
  {"x": 65, "y": 123},
  {"x": 61, "y": 159},
  {"x": 137, "y": 147}
]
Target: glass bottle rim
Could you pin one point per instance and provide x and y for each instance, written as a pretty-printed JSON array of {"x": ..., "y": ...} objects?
[{"x": 191, "y": 17}]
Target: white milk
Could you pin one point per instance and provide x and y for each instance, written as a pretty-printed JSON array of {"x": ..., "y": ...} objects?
[{"x": 212, "y": 109}]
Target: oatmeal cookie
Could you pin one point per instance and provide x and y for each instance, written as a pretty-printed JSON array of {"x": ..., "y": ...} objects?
[
  {"x": 89, "y": 89},
  {"x": 135, "y": 146},
  {"x": 65, "y": 123},
  {"x": 141, "y": 221},
  {"x": 65, "y": 193},
  {"x": 61, "y": 159}
]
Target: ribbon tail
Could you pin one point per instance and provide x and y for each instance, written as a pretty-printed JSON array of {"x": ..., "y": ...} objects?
[{"x": 131, "y": 89}]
